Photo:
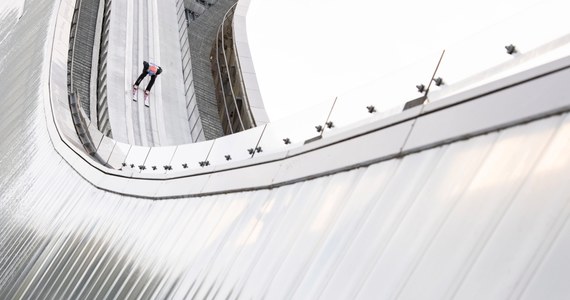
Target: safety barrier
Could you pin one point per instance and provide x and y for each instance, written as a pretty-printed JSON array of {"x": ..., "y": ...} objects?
[
  {"x": 194, "y": 120},
  {"x": 104, "y": 124}
]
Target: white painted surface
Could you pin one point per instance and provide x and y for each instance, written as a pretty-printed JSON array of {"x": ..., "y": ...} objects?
[{"x": 483, "y": 214}]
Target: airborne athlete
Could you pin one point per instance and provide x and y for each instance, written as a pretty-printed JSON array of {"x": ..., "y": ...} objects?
[{"x": 152, "y": 70}]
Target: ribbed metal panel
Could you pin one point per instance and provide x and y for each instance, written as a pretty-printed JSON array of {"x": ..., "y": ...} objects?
[{"x": 489, "y": 216}]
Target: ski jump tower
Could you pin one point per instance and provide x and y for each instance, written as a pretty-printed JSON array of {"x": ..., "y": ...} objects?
[{"x": 461, "y": 192}]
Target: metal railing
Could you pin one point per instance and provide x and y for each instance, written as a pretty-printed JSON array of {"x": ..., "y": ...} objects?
[
  {"x": 233, "y": 103},
  {"x": 71, "y": 50},
  {"x": 193, "y": 115},
  {"x": 103, "y": 122},
  {"x": 77, "y": 114}
]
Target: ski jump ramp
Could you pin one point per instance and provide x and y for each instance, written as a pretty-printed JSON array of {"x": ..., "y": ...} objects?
[
  {"x": 135, "y": 36},
  {"x": 464, "y": 197}
]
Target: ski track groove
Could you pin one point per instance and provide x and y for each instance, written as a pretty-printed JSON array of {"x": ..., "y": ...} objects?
[
  {"x": 140, "y": 58},
  {"x": 158, "y": 91},
  {"x": 152, "y": 112},
  {"x": 128, "y": 68}
]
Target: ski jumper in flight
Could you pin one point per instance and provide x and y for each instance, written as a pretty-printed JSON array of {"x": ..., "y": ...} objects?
[{"x": 148, "y": 69}]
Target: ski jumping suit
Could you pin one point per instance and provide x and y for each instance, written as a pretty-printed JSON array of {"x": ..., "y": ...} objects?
[{"x": 149, "y": 69}]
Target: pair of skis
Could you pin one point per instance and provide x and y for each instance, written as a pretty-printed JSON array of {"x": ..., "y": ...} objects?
[{"x": 136, "y": 96}]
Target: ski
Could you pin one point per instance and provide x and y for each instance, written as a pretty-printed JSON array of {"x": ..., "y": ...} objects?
[
  {"x": 135, "y": 95},
  {"x": 146, "y": 99}
]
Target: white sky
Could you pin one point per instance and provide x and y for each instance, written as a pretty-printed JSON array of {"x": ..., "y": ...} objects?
[{"x": 308, "y": 51}]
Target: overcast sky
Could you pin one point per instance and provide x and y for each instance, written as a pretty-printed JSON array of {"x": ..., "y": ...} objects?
[{"x": 308, "y": 51}]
